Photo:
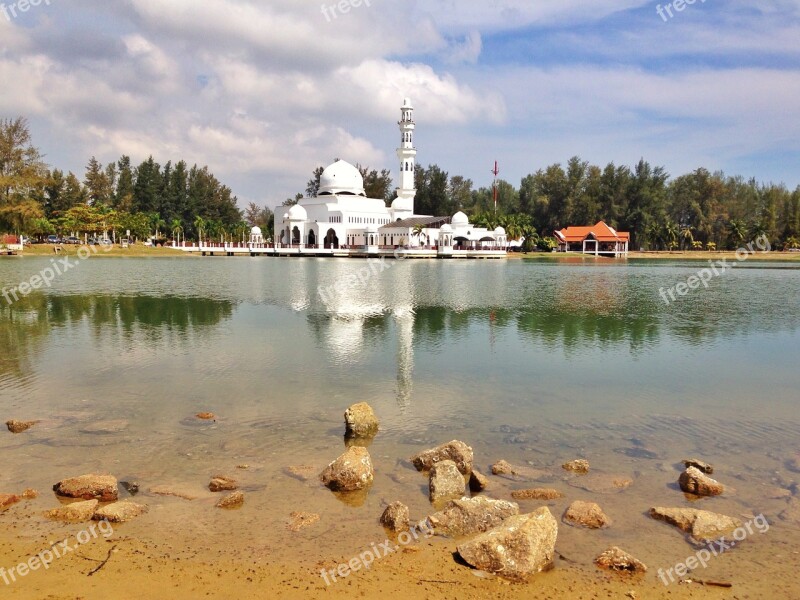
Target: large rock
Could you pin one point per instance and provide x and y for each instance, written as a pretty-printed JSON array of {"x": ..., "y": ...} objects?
[
  {"x": 89, "y": 487},
  {"x": 445, "y": 482},
  {"x": 468, "y": 516},
  {"x": 478, "y": 481},
  {"x": 701, "y": 524},
  {"x": 120, "y": 512},
  {"x": 521, "y": 546},
  {"x": 350, "y": 472},
  {"x": 586, "y": 514},
  {"x": 77, "y": 512},
  {"x": 396, "y": 517},
  {"x": 616, "y": 559},
  {"x": 360, "y": 421},
  {"x": 458, "y": 452},
  {"x": 19, "y": 426},
  {"x": 694, "y": 481}
]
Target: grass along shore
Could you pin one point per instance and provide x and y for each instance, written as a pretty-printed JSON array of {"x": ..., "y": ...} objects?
[{"x": 133, "y": 251}]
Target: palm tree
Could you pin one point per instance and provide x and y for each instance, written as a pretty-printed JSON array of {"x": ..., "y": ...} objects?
[
  {"x": 199, "y": 226},
  {"x": 177, "y": 229},
  {"x": 417, "y": 231},
  {"x": 737, "y": 231},
  {"x": 686, "y": 235},
  {"x": 711, "y": 246},
  {"x": 670, "y": 234}
]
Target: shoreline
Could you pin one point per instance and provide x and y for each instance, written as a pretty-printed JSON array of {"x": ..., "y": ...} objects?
[{"x": 700, "y": 255}]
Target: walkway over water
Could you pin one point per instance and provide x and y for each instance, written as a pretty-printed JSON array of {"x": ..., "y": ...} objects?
[{"x": 240, "y": 249}]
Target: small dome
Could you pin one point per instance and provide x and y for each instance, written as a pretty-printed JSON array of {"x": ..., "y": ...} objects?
[
  {"x": 297, "y": 213},
  {"x": 285, "y": 216},
  {"x": 341, "y": 178},
  {"x": 255, "y": 230},
  {"x": 446, "y": 228},
  {"x": 500, "y": 231},
  {"x": 459, "y": 219}
]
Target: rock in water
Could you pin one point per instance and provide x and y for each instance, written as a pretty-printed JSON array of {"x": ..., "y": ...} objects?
[
  {"x": 502, "y": 467},
  {"x": 7, "y": 500},
  {"x": 232, "y": 500},
  {"x": 350, "y": 472},
  {"x": 89, "y": 487},
  {"x": 445, "y": 482},
  {"x": 458, "y": 452},
  {"x": 579, "y": 466},
  {"x": 301, "y": 520},
  {"x": 701, "y": 524},
  {"x": 601, "y": 483},
  {"x": 396, "y": 517},
  {"x": 468, "y": 516},
  {"x": 360, "y": 421},
  {"x": 477, "y": 481},
  {"x": 586, "y": 514},
  {"x": 120, "y": 512},
  {"x": 519, "y": 547},
  {"x": 19, "y": 426},
  {"x": 694, "y": 481},
  {"x": 77, "y": 512},
  {"x": 615, "y": 559},
  {"x": 302, "y": 473},
  {"x": 221, "y": 483},
  {"x": 537, "y": 494},
  {"x": 705, "y": 467}
]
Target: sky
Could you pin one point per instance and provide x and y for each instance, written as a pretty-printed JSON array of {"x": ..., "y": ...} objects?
[{"x": 264, "y": 91}]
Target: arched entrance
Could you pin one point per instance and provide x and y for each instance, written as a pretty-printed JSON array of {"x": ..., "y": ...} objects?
[
  {"x": 331, "y": 241},
  {"x": 296, "y": 236},
  {"x": 312, "y": 239}
]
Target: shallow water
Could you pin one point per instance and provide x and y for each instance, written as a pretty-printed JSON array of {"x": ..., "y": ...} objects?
[{"x": 535, "y": 362}]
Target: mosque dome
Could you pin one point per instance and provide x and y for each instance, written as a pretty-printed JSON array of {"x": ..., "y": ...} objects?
[
  {"x": 446, "y": 228},
  {"x": 500, "y": 231},
  {"x": 341, "y": 178},
  {"x": 255, "y": 230},
  {"x": 460, "y": 219},
  {"x": 298, "y": 213}
]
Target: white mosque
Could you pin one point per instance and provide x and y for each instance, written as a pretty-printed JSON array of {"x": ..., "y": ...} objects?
[{"x": 342, "y": 221}]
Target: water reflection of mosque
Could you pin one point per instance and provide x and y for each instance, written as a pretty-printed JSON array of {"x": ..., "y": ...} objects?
[{"x": 349, "y": 318}]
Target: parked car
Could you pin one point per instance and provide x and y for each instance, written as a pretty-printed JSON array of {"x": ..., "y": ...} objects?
[
  {"x": 72, "y": 240},
  {"x": 105, "y": 242},
  {"x": 92, "y": 241},
  {"x": 53, "y": 239}
]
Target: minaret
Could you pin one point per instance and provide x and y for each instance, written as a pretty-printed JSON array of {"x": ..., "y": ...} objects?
[{"x": 408, "y": 156}]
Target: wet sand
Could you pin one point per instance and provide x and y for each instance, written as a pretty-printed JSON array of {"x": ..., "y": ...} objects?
[{"x": 190, "y": 549}]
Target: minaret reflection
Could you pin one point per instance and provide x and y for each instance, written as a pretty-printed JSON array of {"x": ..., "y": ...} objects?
[
  {"x": 359, "y": 311},
  {"x": 404, "y": 321}
]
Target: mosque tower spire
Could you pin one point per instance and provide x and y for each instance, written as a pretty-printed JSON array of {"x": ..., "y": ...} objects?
[{"x": 408, "y": 156}]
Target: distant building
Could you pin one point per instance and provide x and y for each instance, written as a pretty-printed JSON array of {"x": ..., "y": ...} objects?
[
  {"x": 342, "y": 221},
  {"x": 599, "y": 239}
]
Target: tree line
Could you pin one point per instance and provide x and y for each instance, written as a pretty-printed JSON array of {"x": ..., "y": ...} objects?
[
  {"x": 149, "y": 200},
  {"x": 698, "y": 210}
]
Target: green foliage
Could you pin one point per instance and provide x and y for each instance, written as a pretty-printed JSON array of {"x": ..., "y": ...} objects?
[{"x": 547, "y": 244}]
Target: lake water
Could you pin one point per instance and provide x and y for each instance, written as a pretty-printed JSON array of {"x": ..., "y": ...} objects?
[{"x": 532, "y": 361}]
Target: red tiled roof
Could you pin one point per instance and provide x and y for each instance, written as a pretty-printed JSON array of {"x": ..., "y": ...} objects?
[{"x": 600, "y": 231}]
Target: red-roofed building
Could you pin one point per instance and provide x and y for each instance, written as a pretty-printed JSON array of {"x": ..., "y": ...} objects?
[{"x": 600, "y": 240}]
